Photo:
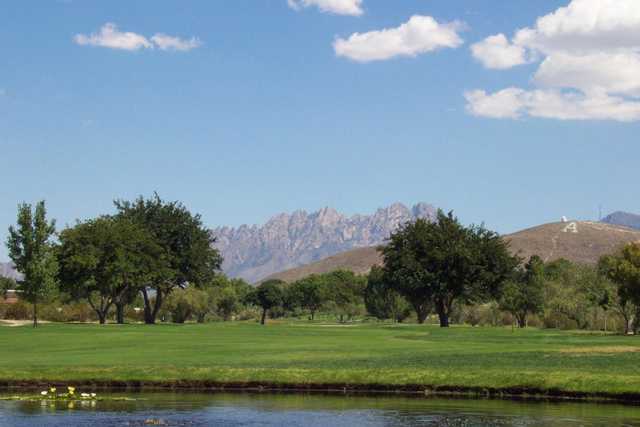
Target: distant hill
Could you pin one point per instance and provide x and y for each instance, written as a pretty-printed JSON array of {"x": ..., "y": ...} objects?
[
  {"x": 582, "y": 241},
  {"x": 625, "y": 219},
  {"x": 579, "y": 241},
  {"x": 292, "y": 240}
]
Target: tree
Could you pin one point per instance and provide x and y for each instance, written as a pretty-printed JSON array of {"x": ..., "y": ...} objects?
[
  {"x": 345, "y": 292},
  {"x": 187, "y": 303},
  {"x": 623, "y": 269},
  {"x": 189, "y": 257},
  {"x": 438, "y": 263},
  {"x": 524, "y": 294},
  {"x": 32, "y": 251},
  {"x": 105, "y": 260},
  {"x": 574, "y": 292},
  {"x": 381, "y": 300},
  {"x": 227, "y": 295},
  {"x": 6, "y": 284},
  {"x": 267, "y": 296},
  {"x": 310, "y": 293}
]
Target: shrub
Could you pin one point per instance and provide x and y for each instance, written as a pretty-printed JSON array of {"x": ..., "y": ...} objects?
[{"x": 18, "y": 311}]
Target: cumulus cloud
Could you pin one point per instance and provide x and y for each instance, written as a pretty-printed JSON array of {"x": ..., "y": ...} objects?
[
  {"x": 337, "y": 7},
  {"x": 110, "y": 36},
  {"x": 513, "y": 103},
  {"x": 419, "y": 35},
  {"x": 589, "y": 64},
  {"x": 497, "y": 53},
  {"x": 165, "y": 42}
]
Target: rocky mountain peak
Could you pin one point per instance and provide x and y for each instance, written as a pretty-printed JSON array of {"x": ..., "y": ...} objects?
[{"x": 290, "y": 240}]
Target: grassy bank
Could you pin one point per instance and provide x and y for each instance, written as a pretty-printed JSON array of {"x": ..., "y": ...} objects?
[{"x": 299, "y": 355}]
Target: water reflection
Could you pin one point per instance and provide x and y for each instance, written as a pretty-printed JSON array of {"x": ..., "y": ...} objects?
[{"x": 188, "y": 409}]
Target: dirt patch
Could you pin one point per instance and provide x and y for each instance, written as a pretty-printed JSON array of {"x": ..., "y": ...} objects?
[
  {"x": 615, "y": 349},
  {"x": 14, "y": 323}
]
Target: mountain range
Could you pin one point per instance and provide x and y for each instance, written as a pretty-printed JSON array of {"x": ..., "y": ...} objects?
[
  {"x": 291, "y": 240},
  {"x": 578, "y": 241},
  {"x": 623, "y": 218},
  {"x": 326, "y": 239}
]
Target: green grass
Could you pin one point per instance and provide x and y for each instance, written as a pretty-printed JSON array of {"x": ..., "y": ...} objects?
[{"x": 300, "y": 353}]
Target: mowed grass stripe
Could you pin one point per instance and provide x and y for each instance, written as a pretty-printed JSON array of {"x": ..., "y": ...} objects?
[{"x": 300, "y": 353}]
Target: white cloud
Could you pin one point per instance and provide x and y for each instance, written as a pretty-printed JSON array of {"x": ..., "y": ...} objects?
[
  {"x": 513, "y": 103},
  {"x": 497, "y": 53},
  {"x": 109, "y": 36},
  {"x": 617, "y": 73},
  {"x": 419, "y": 35},
  {"x": 338, "y": 7},
  {"x": 589, "y": 69},
  {"x": 165, "y": 42}
]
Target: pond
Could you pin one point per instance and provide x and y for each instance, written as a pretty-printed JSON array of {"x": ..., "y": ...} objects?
[{"x": 190, "y": 409}]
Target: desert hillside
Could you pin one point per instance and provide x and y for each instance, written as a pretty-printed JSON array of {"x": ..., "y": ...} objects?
[{"x": 577, "y": 241}]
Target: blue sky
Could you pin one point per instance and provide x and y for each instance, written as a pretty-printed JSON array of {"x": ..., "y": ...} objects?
[{"x": 262, "y": 115}]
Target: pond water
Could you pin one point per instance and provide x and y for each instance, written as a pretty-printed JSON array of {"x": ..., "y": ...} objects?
[{"x": 187, "y": 409}]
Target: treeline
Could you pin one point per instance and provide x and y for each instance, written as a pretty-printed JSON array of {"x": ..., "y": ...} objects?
[
  {"x": 146, "y": 250},
  {"x": 155, "y": 260}
]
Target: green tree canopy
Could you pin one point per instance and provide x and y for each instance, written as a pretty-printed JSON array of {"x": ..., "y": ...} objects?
[
  {"x": 381, "y": 300},
  {"x": 310, "y": 293},
  {"x": 438, "y": 263},
  {"x": 187, "y": 245},
  {"x": 623, "y": 269},
  {"x": 31, "y": 249},
  {"x": 107, "y": 259},
  {"x": 228, "y": 295},
  {"x": 268, "y": 296},
  {"x": 345, "y": 291},
  {"x": 524, "y": 294},
  {"x": 6, "y": 283}
]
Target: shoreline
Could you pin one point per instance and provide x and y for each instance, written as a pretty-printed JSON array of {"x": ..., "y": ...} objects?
[{"x": 409, "y": 390}]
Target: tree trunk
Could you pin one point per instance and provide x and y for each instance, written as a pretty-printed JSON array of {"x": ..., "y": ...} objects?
[
  {"x": 119, "y": 313},
  {"x": 313, "y": 315},
  {"x": 522, "y": 320},
  {"x": 421, "y": 313},
  {"x": 444, "y": 319},
  {"x": 147, "y": 306},
  {"x": 443, "y": 313},
  {"x": 264, "y": 316},
  {"x": 157, "y": 304},
  {"x": 35, "y": 312},
  {"x": 101, "y": 317},
  {"x": 150, "y": 314}
]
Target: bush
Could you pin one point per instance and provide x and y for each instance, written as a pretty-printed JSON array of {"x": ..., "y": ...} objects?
[
  {"x": 473, "y": 315},
  {"x": 18, "y": 311}
]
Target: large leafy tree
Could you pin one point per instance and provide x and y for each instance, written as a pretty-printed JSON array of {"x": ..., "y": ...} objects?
[
  {"x": 381, "y": 300},
  {"x": 524, "y": 294},
  {"x": 346, "y": 293},
  {"x": 227, "y": 295},
  {"x": 623, "y": 269},
  {"x": 575, "y": 292},
  {"x": 310, "y": 293},
  {"x": 268, "y": 296},
  {"x": 31, "y": 249},
  {"x": 189, "y": 257},
  {"x": 106, "y": 260},
  {"x": 443, "y": 262}
]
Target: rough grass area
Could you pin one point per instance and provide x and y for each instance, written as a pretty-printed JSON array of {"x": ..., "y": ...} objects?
[{"x": 303, "y": 355}]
